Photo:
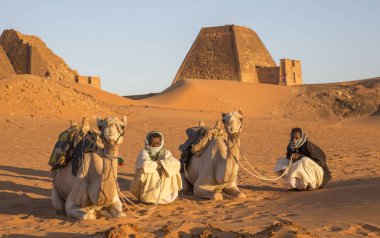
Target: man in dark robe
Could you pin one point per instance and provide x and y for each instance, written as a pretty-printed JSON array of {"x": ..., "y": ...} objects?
[{"x": 309, "y": 168}]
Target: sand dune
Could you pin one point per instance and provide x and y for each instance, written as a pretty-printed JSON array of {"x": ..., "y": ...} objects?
[
  {"x": 28, "y": 95},
  {"x": 33, "y": 111},
  {"x": 259, "y": 100},
  {"x": 307, "y": 102},
  {"x": 35, "y": 97}
]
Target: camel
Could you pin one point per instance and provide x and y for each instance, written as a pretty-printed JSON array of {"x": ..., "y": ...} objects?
[
  {"x": 94, "y": 188},
  {"x": 215, "y": 171}
]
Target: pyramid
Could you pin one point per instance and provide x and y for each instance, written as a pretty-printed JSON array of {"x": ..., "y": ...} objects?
[
  {"x": 6, "y": 68},
  {"x": 29, "y": 55},
  {"x": 226, "y": 53}
]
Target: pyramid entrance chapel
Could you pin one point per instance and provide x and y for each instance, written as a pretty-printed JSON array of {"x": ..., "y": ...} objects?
[{"x": 233, "y": 52}]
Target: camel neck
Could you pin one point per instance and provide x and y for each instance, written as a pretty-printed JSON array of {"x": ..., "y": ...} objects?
[
  {"x": 111, "y": 151},
  {"x": 233, "y": 146},
  {"x": 230, "y": 163}
]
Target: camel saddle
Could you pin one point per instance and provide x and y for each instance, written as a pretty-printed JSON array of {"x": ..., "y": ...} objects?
[
  {"x": 62, "y": 151},
  {"x": 71, "y": 145},
  {"x": 198, "y": 140}
]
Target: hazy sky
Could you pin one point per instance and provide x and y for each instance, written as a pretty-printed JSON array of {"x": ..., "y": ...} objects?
[{"x": 137, "y": 46}]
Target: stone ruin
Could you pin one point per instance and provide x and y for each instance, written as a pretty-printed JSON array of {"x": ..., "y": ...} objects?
[
  {"x": 235, "y": 53},
  {"x": 6, "y": 68},
  {"x": 25, "y": 54},
  {"x": 219, "y": 53}
]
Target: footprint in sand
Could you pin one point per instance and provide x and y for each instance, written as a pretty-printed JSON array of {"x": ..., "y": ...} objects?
[
  {"x": 289, "y": 214},
  {"x": 335, "y": 228}
]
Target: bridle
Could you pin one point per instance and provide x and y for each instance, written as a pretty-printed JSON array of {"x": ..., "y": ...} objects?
[
  {"x": 120, "y": 134},
  {"x": 234, "y": 137}
]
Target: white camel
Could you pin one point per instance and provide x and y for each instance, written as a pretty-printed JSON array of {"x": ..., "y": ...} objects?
[
  {"x": 93, "y": 189},
  {"x": 215, "y": 171}
]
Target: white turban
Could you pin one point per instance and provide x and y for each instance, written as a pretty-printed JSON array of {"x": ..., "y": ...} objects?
[{"x": 153, "y": 151}]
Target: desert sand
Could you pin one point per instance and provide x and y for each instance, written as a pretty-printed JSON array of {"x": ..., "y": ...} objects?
[{"x": 343, "y": 119}]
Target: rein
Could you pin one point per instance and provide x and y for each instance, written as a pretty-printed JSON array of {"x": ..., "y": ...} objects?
[{"x": 254, "y": 172}]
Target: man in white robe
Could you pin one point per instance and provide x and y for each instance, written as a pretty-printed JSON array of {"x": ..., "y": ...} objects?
[
  {"x": 309, "y": 170},
  {"x": 157, "y": 178}
]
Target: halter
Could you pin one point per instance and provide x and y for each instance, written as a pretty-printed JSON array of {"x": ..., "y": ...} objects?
[
  {"x": 236, "y": 134},
  {"x": 121, "y": 134},
  {"x": 234, "y": 137}
]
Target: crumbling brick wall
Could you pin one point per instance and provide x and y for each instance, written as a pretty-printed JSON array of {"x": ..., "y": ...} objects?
[
  {"x": 93, "y": 81},
  {"x": 290, "y": 72},
  {"x": 268, "y": 74}
]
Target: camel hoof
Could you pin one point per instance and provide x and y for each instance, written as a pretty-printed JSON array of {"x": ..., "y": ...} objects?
[
  {"x": 121, "y": 214},
  {"x": 60, "y": 212},
  {"x": 89, "y": 216},
  {"x": 218, "y": 197},
  {"x": 242, "y": 195}
]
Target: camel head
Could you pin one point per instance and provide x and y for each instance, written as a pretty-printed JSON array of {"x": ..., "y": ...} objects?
[
  {"x": 112, "y": 129},
  {"x": 233, "y": 122}
]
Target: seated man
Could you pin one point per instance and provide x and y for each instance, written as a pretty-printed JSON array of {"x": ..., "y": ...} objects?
[
  {"x": 157, "y": 178},
  {"x": 309, "y": 170}
]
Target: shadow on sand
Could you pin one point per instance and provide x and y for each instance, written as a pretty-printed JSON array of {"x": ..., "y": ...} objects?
[
  {"x": 26, "y": 171},
  {"x": 49, "y": 235}
]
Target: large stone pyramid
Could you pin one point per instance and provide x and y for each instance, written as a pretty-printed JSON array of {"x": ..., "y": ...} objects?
[{"x": 226, "y": 53}]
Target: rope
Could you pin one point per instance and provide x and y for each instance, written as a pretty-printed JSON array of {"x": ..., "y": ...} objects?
[
  {"x": 257, "y": 174},
  {"x": 124, "y": 198},
  {"x": 150, "y": 210}
]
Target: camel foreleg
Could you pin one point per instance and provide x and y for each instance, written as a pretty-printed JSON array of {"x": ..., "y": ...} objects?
[
  {"x": 57, "y": 201},
  {"x": 186, "y": 186},
  {"x": 116, "y": 208},
  {"x": 207, "y": 191},
  {"x": 233, "y": 190},
  {"x": 75, "y": 203}
]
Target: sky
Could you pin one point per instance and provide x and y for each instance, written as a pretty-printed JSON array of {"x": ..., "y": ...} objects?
[{"x": 136, "y": 47}]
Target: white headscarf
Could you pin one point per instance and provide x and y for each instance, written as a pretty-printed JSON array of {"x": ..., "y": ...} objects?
[{"x": 154, "y": 151}]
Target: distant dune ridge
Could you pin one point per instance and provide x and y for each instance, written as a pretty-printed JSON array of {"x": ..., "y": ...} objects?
[{"x": 28, "y": 95}]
